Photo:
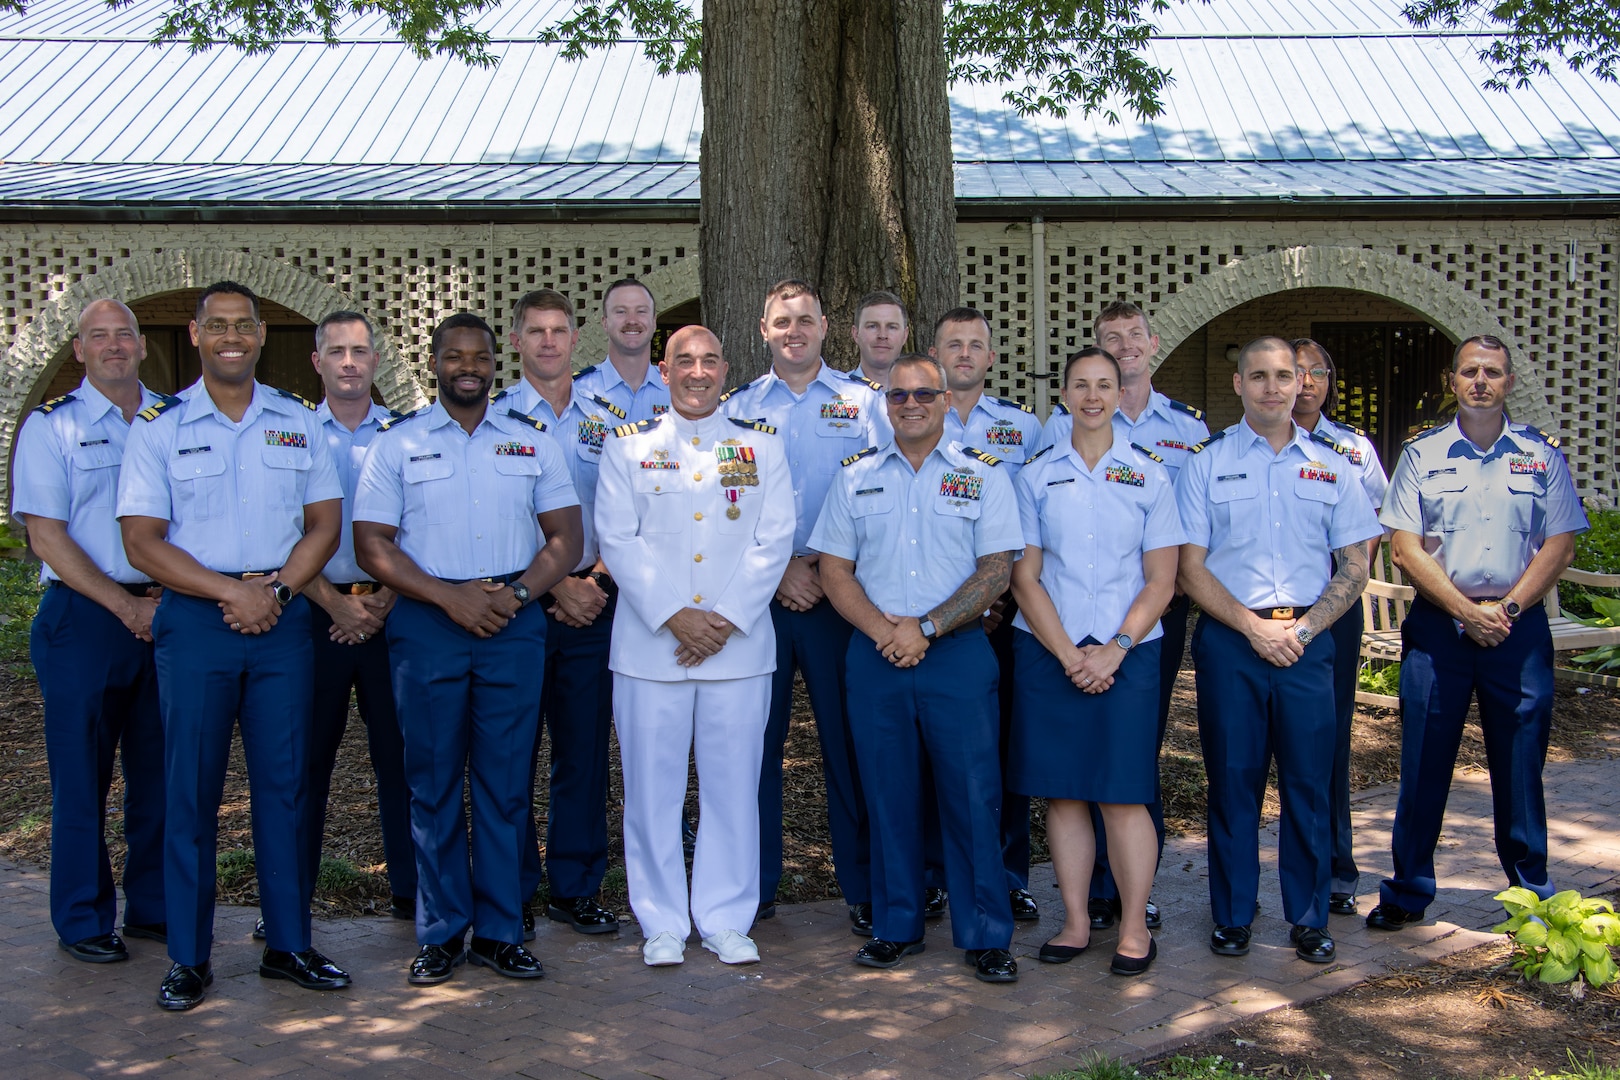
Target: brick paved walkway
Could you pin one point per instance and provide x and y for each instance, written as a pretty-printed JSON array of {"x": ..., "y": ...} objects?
[{"x": 805, "y": 1011}]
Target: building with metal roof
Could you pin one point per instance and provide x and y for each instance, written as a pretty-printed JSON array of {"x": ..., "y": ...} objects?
[{"x": 1320, "y": 168}]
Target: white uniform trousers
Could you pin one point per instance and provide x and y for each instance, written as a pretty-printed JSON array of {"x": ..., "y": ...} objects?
[{"x": 658, "y": 724}]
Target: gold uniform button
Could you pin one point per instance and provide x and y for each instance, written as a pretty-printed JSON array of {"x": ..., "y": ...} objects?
[
  {"x": 697, "y": 558},
  {"x": 698, "y": 516},
  {"x": 696, "y": 440},
  {"x": 697, "y": 476},
  {"x": 698, "y": 599}
]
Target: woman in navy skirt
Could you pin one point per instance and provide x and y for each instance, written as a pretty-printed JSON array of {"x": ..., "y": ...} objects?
[{"x": 1099, "y": 569}]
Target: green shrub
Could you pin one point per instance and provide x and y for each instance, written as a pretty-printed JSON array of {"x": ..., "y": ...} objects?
[
  {"x": 1562, "y": 937},
  {"x": 1384, "y": 679},
  {"x": 19, "y": 599},
  {"x": 1598, "y": 550}
]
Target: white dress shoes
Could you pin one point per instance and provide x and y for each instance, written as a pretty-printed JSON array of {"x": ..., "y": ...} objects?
[
  {"x": 732, "y": 947},
  {"x": 666, "y": 950}
]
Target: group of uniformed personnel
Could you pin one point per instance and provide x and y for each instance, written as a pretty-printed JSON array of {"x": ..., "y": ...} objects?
[{"x": 984, "y": 610}]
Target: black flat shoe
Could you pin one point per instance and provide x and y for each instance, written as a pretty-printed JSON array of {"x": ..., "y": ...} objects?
[
  {"x": 434, "y": 964},
  {"x": 258, "y": 929},
  {"x": 1024, "y": 908},
  {"x": 993, "y": 965},
  {"x": 1154, "y": 918},
  {"x": 1102, "y": 912},
  {"x": 102, "y": 949},
  {"x": 528, "y": 923},
  {"x": 1060, "y": 954},
  {"x": 184, "y": 986},
  {"x": 402, "y": 907},
  {"x": 766, "y": 910},
  {"x": 1135, "y": 965},
  {"x": 935, "y": 903},
  {"x": 860, "y": 920},
  {"x": 1392, "y": 917},
  {"x": 505, "y": 958},
  {"x": 878, "y": 953},
  {"x": 1341, "y": 904},
  {"x": 1312, "y": 944},
  {"x": 308, "y": 969},
  {"x": 583, "y": 913},
  {"x": 150, "y": 931},
  {"x": 1229, "y": 941}
]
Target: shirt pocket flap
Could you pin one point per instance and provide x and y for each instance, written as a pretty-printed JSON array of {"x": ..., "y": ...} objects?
[
  {"x": 100, "y": 455},
  {"x": 956, "y": 507},
  {"x": 287, "y": 457},
  {"x": 429, "y": 468},
  {"x": 869, "y": 502},
  {"x": 656, "y": 481},
  {"x": 184, "y": 466},
  {"x": 1232, "y": 489},
  {"x": 517, "y": 465},
  {"x": 1316, "y": 490}
]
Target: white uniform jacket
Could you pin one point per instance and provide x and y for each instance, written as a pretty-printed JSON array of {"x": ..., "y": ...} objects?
[{"x": 694, "y": 514}]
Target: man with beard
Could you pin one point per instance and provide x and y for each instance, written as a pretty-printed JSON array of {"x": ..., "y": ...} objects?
[{"x": 445, "y": 516}]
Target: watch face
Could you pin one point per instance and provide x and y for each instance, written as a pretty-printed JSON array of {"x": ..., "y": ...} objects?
[
  {"x": 282, "y": 593},
  {"x": 521, "y": 591}
]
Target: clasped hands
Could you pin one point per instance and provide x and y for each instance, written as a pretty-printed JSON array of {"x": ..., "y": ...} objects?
[
  {"x": 700, "y": 634},
  {"x": 250, "y": 604}
]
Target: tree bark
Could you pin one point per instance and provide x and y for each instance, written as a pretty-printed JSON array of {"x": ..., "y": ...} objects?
[{"x": 826, "y": 156}]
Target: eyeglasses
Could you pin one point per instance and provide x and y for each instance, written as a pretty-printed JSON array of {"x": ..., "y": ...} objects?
[
  {"x": 245, "y": 327},
  {"x": 1318, "y": 374},
  {"x": 924, "y": 395}
]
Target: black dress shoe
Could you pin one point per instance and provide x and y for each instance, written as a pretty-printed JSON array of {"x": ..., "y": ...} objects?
[
  {"x": 935, "y": 903},
  {"x": 528, "y": 923},
  {"x": 183, "y": 987},
  {"x": 860, "y": 920},
  {"x": 1060, "y": 954},
  {"x": 1135, "y": 965},
  {"x": 505, "y": 958},
  {"x": 993, "y": 965},
  {"x": 402, "y": 907},
  {"x": 258, "y": 929},
  {"x": 1102, "y": 911},
  {"x": 583, "y": 913},
  {"x": 101, "y": 949},
  {"x": 766, "y": 910},
  {"x": 878, "y": 953},
  {"x": 156, "y": 931},
  {"x": 308, "y": 969},
  {"x": 1312, "y": 944},
  {"x": 1391, "y": 917},
  {"x": 1341, "y": 904},
  {"x": 1154, "y": 918},
  {"x": 1024, "y": 908},
  {"x": 434, "y": 963},
  {"x": 1230, "y": 941}
]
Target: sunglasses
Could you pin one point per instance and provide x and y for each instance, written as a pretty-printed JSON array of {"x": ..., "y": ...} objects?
[{"x": 924, "y": 395}]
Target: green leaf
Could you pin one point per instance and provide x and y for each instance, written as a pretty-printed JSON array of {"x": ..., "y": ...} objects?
[
  {"x": 1557, "y": 971},
  {"x": 1600, "y": 971},
  {"x": 1532, "y": 935},
  {"x": 1518, "y": 900},
  {"x": 1562, "y": 948},
  {"x": 1609, "y": 607}
]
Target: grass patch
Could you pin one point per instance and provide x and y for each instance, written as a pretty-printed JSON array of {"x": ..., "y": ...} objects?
[
  {"x": 341, "y": 878},
  {"x": 1217, "y": 1067},
  {"x": 234, "y": 870}
]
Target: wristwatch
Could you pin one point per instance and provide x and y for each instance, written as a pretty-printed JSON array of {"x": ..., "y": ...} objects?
[
  {"x": 928, "y": 628},
  {"x": 1124, "y": 641},
  {"x": 1511, "y": 609},
  {"x": 521, "y": 591},
  {"x": 1304, "y": 633},
  {"x": 282, "y": 594}
]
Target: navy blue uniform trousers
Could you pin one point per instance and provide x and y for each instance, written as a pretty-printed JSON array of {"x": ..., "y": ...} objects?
[
  {"x": 943, "y": 711},
  {"x": 1344, "y": 874},
  {"x": 1249, "y": 711},
  {"x": 468, "y": 707},
  {"x": 815, "y": 642},
  {"x": 210, "y": 678},
  {"x": 1440, "y": 670},
  {"x": 99, "y": 683},
  {"x": 1014, "y": 807},
  {"x": 576, "y": 707},
  {"x": 364, "y": 669}
]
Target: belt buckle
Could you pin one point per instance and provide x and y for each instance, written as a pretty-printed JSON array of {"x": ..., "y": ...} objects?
[
  {"x": 1282, "y": 613},
  {"x": 362, "y": 588},
  {"x": 252, "y": 574}
]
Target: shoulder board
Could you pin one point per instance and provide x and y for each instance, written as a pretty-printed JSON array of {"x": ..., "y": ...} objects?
[
  {"x": 755, "y": 425},
  {"x": 1199, "y": 449},
  {"x": 1060, "y": 409},
  {"x": 1147, "y": 453},
  {"x": 396, "y": 418},
  {"x": 525, "y": 418},
  {"x": 54, "y": 403},
  {"x": 1351, "y": 428},
  {"x": 1317, "y": 436},
  {"x": 1539, "y": 435},
  {"x": 288, "y": 394},
  {"x": 739, "y": 389},
  {"x": 500, "y": 396},
  {"x": 1430, "y": 430},
  {"x": 609, "y": 406},
  {"x": 853, "y": 458},
  {"x": 1039, "y": 454},
  {"x": 582, "y": 372},
  {"x": 152, "y": 412},
  {"x": 1011, "y": 404},
  {"x": 988, "y": 459},
  {"x": 1181, "y": 406},
  {"x": 632, "y": 429},
  {"x": 856, "y": 376}
]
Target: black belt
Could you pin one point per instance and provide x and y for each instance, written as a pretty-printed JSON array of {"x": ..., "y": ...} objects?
[
  {"x": 357, "y": 588},
  {"x": 134, "y": 588},
  {"x": 1298, "y": 611},
  {"x": 496, "y": 579},
  {"x": 974, "y": 625}
]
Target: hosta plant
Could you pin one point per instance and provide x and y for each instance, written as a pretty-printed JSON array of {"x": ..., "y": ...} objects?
[{"x": 1561, "y": 937}]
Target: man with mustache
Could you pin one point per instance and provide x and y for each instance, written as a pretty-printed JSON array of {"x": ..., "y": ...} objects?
[{"x": 626, "y": 378}]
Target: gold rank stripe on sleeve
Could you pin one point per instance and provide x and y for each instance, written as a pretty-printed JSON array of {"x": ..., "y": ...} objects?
[
  {"x": 1147, "y": 453},
  {"x": 625, "y": 430},
  {"x": 525, "y": 418},
  {"x": 152, "y": 412},
  {"x": 54, "y": 403},
  {"x": 612, "y": 409},
  {"x": 974, "y": 452},
  {"x": 290, "y": 396},
  {"x": 853, "y": 458},
  {"x": 753, "y": 425}
]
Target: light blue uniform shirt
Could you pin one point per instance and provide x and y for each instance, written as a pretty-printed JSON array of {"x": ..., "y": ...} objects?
[
  {"x": 1166, "y": 427},
  {"x": 997, "y": 426},
  {"x": 580, "y": 432},
  {"x": 1482, "y": 514},
  {"x": 1092, "y": 526},
  {"x": 604, "y": 381},
  {"x": 915, "y": 536},
  {"x": 1359, "y": 451},
  {"x": 837, "y": 415},
  {"x": 465, "y": 505},
  {"x": 233, "y": 493},
  {"x": 1270, "y": 522},
  {"x": 68, "y": 457},
  {"x": 348, "y": 450}
]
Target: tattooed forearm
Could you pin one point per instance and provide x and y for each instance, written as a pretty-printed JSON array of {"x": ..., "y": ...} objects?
[
  {"x": 1345, "y": 589},
  {"x": 977, "y": 593}
]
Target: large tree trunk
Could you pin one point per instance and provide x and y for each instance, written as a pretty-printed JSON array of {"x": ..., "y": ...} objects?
[{"x": 826, "y": 156}]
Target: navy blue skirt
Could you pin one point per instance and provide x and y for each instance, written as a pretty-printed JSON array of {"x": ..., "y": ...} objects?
[{"x": 1068, "y": 744}]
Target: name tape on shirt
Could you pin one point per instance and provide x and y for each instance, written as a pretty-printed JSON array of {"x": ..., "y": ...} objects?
[
  {"x": 1526, "y": 464},
  {"x": 183, "y": 451},
  {"x": 960, "y": 485},
  {"x": 1124, "y": 474},
  {"x": 513, "y": 449},
  {"x": 294, "y": 439},
  {"x": 869, "y": 491},
  {"x": 1315, "y": 470}
]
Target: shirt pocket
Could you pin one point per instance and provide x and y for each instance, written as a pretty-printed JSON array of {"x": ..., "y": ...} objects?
[
  {"x": 1523, "y": 491},
  {"x": 1447, "y": 506},
  {"x": 197, "y": 481},
  {"x": 95, "y": 475},
  {"x": 1237, "y": 500},
  {"x": 430, "y": 489},
  {"x": 873, "y": 515},
  {"x": 656, "y": 491},
  {"x": 286, "y": 476},
  {"x": 1314, "y": 503},
  {"x": 518, "y": 475}
]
